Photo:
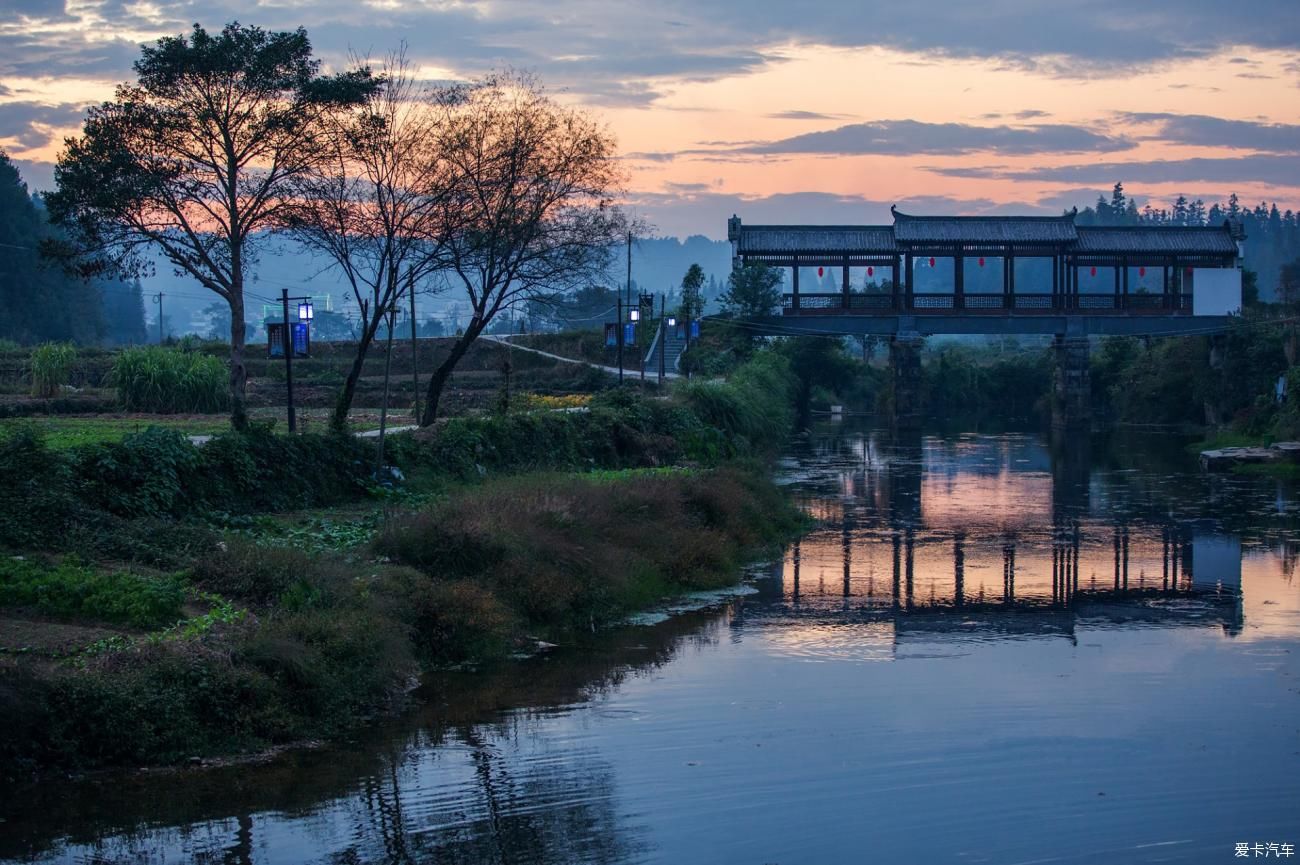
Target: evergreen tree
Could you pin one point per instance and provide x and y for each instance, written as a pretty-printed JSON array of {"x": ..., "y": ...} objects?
[
  {"x": 753, "y": 291},
  {"x": 692, "y": 295},
  {"x": 38, "y": 301}
]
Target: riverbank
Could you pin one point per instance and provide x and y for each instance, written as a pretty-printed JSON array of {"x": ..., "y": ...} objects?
[{"x": 160, "y": 602}]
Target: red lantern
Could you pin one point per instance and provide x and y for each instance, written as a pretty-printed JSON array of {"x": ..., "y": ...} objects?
[
  {"x": 871, "y": 271},
  {"x": 820, "y": 271},
  {"x": 932, "y": 261},
  {"x": 981, "y": 261},
  {"x": 1142, "y": 271},
  {"x": 1092, "y": 272}
]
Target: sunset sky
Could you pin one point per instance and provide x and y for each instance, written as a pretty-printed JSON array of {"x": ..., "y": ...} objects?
[{"x": 791, "y": 112}]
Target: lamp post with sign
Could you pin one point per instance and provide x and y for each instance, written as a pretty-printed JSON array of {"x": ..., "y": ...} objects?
[
  {"x": 289, "y": 345},
  {"x": 666, "y": 323}
]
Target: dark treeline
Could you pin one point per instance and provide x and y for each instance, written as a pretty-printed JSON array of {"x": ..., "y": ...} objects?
[
  {"x": 39, "y": 302},
  {"x": 1272, "y": 235}
]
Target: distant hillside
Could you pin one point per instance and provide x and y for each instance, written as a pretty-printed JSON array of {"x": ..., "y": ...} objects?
[{"x": 658, "y": 265}]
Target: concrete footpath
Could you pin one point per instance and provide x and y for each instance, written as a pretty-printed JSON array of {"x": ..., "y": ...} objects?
[
  {"x": 199, "y": 441},
  {"x": 651, "y": 377}
]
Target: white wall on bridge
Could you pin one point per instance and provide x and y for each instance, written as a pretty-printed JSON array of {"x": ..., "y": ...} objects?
[{"x": 1216, "y": 291}]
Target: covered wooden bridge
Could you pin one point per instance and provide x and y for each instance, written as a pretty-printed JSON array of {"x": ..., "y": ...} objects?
[
  {"x": 995, "y": 267},
  {"x": 996, "y": 275}
]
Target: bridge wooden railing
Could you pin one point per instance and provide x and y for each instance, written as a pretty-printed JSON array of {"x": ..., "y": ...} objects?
[{"x": 976, "y": 304}]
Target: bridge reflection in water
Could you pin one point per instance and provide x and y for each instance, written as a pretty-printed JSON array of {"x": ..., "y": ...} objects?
[{"x": 989, "y": 536}]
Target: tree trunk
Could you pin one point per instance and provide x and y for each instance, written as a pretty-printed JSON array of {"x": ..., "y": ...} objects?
[
  {"x": 440, "y": 375},
  {"x": 238, "y": 372},
  {"x": 339, "y": 420}
]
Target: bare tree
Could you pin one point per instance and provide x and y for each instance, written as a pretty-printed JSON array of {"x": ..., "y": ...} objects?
[
  {"x": 533, "y": 211},
  {"x": 195, "y": 159},
  {"x": 375, "y": 207}
]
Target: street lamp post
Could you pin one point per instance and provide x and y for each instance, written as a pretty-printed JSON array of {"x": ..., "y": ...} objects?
[
  {"x": 305, "y": 314},
  {"x": 645, "y": 301},
  {"x": 664, "y": 324}
]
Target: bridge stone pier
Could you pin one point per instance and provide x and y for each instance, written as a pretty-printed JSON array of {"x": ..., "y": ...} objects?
[
  {"x": 998, "y": 275},
  {"x": 1071, "y": 381},
  {"x": 905, "y": 377}
]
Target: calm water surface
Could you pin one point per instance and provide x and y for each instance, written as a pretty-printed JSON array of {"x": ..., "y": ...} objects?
[{"x": 993, "y": 649}]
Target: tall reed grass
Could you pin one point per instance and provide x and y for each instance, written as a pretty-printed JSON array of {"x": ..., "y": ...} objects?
[
  {"x": 51, "y": 367},
  {"x": 167, "y": 381}
]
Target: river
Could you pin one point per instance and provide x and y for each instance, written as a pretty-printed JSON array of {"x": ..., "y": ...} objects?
[{"x": 993, "y": 648}]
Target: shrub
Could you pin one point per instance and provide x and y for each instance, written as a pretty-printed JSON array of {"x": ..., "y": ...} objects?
[
  {"x": 160, "y": 703},
  {"x": 260, "y": 575},
  {"x": 36, "y": 491},
  {"x": 51, "y": 367},
  {"x": 572, "y": 552},
  {"x": 335, "y": 663},
  {"x": 166, "y": 381},
  {"x": 752, "y": 409},
  {"x": 145, "y": 474}
]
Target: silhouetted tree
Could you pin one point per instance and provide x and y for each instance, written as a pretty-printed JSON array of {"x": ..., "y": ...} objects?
[
  {"x": 373, "y": 206},
  {"x": 532, "y": 214},
  {"x": 692, "y": 292},
  {"x": 196, "y": 159},
  {"x": 39, "y": 302}
]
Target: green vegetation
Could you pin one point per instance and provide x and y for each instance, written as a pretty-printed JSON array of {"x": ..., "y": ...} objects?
[
  {"x": 753, "y": 290},
  {"x": 169, "y": 381},
  {"x": 63, "y": 432},
  {"x": 559, "y": 554},
  {"x": 40, "y": 303},
  {"x": 51, "y": 367},
  {"x": 305, "y": 626},
  {"x": 960, "y": 381},
  {"x": 72, "y": 590}
]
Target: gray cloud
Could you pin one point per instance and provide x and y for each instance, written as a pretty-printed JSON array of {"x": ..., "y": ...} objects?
[
  {"x": 1207, "y": 131},
  {"x": 40, "y": 9},
  {"x": 651, "y": 156},
  {"x": 687, "y": 213},
  {"x": 22, "y": 120},
  {"x": 1270, "y": 168},
  {"x": 907, "y": 137},
  {"x": 802, "y": 115},
  {"x": 593, "y": 47}
]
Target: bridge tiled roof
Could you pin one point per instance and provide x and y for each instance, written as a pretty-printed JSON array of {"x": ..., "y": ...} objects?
[
  {"x": 816, "y": 239},
  {"x": 917, "y": 233},
  {"x": 918, "y": 230},
  {"x": 1159, "y": 240}
]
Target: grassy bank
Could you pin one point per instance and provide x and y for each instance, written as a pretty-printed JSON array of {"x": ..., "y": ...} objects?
[
  {"x": 160, "y": 601},
  {"x": 267, "y": 644}
]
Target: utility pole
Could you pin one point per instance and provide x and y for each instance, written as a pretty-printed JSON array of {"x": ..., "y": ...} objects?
[
  {"x": 619, "y": 330},
  {"x": 157, "y": 298},
  {"x": 287, "y": 339},
  {"x": 383, "y": 408},
  {"x": 628, "y": 288},
  {"x": 688, "y": 342},
  {"x": 415, "y": 354}
]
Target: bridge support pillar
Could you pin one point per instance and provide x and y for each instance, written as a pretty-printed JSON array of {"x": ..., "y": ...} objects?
[
  {"x": 905, "y": 370},
  {"x": 1071, "y": 382},
  {"x": 1213, "y": 402}
]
